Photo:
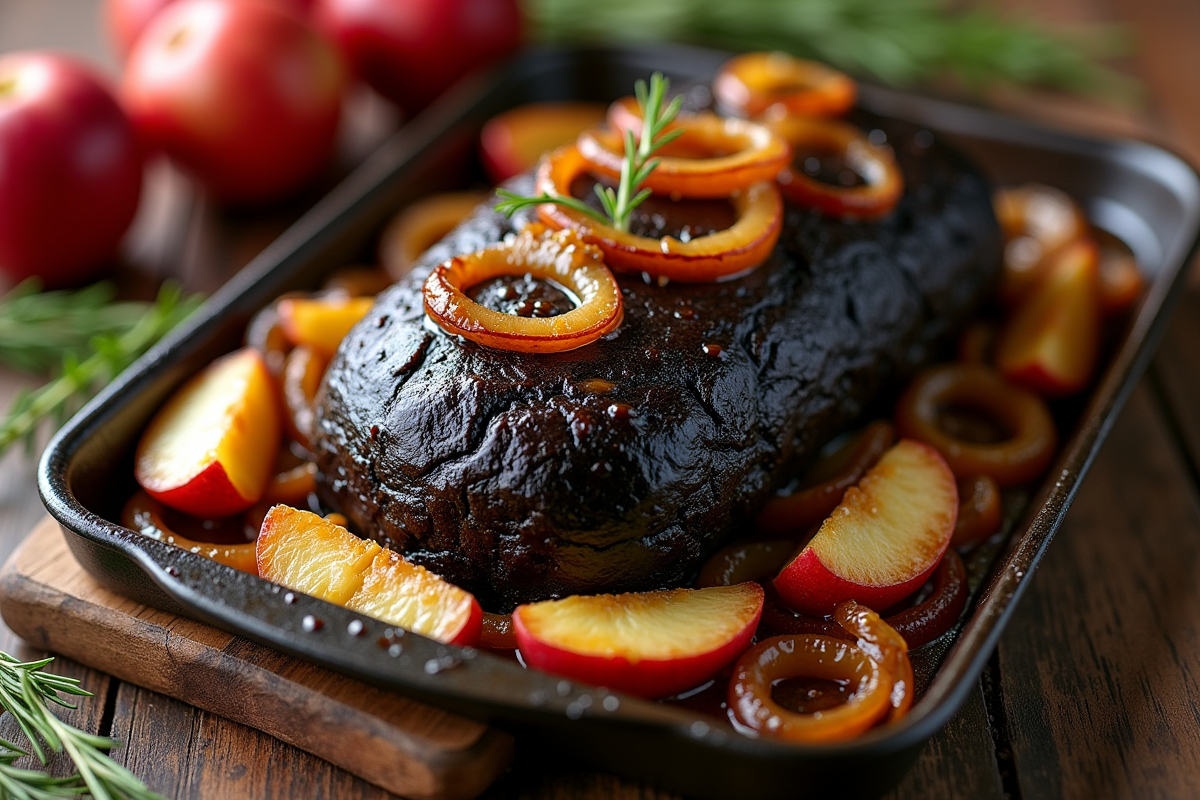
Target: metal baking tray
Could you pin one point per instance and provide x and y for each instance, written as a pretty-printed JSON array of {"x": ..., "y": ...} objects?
[{"x": 1143, "y": 194}]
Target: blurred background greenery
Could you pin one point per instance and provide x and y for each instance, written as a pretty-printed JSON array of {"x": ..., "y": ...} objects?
[{"x": 964, "y": 46}]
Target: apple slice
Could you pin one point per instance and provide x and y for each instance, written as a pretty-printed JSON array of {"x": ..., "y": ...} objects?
[
  {"x": 883, "y": 541},
  {"x": 311, "y": 554},
  {"x": 321, "y": 323},
  {"x": 513, "y": 142},
  {"x": 651, "y": 644},
  {"x": 210, "y": 450},
  {"x": 412, "y": 597},
  {"x": 1052, "y": 342}
]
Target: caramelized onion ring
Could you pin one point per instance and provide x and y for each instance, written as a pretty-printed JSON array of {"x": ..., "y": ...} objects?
[
  {"x": 936, "y": 614},
  {"x": 883, "y": 181},
  {"x": 422, "y": 225},
  {"x": 979, "y": 511},
  {"x": 303, "y": 370},
  {"x": 292, "y": 487},
  {"x": 777, "y": 85},
  {"x": 1017, "y": 460},
  {"x": 919, "y": 625},
  {"x": 730, "y": 155},
  {"x": 793, "y": 513},
  {"x": 724, "y": 254},
  {"x": 748, "y": 561},
  {"x": 885, "y": 644},
  {"x": 559, "y": 256},
  {"x": 877, "y": 666},
  {"x": 145, "y": 515}
]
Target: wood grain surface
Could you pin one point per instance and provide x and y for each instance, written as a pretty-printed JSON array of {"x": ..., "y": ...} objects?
[{"x": 1093, "y": 691}]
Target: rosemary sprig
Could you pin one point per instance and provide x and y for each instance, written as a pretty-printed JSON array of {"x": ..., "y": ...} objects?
[
  {"x": 28, "y": 784},
  {"x": 901, "y": 42},
  {"x": 26, "y": 692},
  {"x": 37, "y": 328},
  {"x": 637, "y": 165},
  {"x": 81, "y": 378}
]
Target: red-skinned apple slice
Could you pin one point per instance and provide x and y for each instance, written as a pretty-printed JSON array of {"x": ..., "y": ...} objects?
[
  {"x": 313, "y": 555},
  {"x": 883, "y": 541},
  {"x": 1052, "y": 342},
  {"x": 651, "y": 644},
  {"x": 210, "y": 450}
]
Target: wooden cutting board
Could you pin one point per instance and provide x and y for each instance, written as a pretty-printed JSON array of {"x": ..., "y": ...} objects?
[{"x": 405, "y": 747}]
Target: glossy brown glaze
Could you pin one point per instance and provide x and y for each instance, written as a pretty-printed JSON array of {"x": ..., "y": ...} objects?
[{"x": 497, "y": 471}]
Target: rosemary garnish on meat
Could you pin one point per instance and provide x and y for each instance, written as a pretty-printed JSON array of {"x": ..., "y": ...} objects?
[
  {"x": 639, "y": 162},
  {"x": 26, "y": 692}
]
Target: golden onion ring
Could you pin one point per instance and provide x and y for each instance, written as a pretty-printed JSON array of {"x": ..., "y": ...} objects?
[
  {"x": 422, "y": 225},
  {"x": 558, "y": 256},
  {"x": 724, "y": 254},
  {"x": 1020, "y": 458},
  {"x": 777, "y": 85},
  {"x": 877, "y": 667},
  {"x": 884, "y": 183},
  {"x": 714, "y": 157}
]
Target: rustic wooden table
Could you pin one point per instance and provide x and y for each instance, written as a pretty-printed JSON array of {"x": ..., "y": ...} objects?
[{"x": 1095, "y": 687}]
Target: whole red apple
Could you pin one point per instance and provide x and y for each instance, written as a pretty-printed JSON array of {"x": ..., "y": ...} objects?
[
  {"x": 70, "y": 169},
  {"x": 126, "y": 19},
  {"x": 412, "y": 50},
  {"x": 243, "y": 94}
]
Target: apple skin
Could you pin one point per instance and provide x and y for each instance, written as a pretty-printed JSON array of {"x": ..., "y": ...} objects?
[
  {"x": 126, "y": 19},
  {"x": 650, "y": 678},
  {"x": 810, "y": 586},
  {"x": 70, "y": 170},
  {"x": 410, "y": 51},
  {"x": 246, "y": 439},
  {"x": 247, "y": 97}
]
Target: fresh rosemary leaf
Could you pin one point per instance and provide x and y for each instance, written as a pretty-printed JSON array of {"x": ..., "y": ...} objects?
[
  {"x": 86, "y": 371},
  {"x": 900, "y": 42},
  {"x": 37, "y": 328},
  {"x": 618, "y": 204},
  {"x": 26, "y": 692}
]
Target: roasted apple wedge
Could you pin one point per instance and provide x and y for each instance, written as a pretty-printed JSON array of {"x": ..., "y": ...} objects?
[
  {"x": 884, "y": 539},
  {"x": 1052, "y": 343},
  {"x": 412, "y": 597},
  {"x": 651, "y": 644},
  {"x": 311, "y": 554},
  {"x": 321, "y": 323},
  {"x": 209, "y": 451}
]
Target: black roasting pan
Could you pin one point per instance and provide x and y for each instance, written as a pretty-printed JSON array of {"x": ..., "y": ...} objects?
[{"x": 1142, "y": 193}]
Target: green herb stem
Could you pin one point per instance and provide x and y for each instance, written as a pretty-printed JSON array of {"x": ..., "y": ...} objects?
[
  {"x": 79, "y": 379},
  {"x": 636, "y": 166},
  {"x": 27, "y": 692}
]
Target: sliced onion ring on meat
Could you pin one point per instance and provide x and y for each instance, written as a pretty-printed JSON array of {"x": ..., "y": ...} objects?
[
  {"x": 558, "y": 256},
  {"x": 883, "y": 183},
  {"x": 714, "y": 156},
  {"x": 777, "y": 85},
  {"x": 724, "y": 254}
]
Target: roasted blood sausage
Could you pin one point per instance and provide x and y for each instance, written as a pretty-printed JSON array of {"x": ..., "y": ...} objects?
[{"x": 620, "y": 466}]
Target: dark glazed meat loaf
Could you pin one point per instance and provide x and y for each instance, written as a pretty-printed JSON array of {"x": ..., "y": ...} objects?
[{"x": 621, "y": 465}]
